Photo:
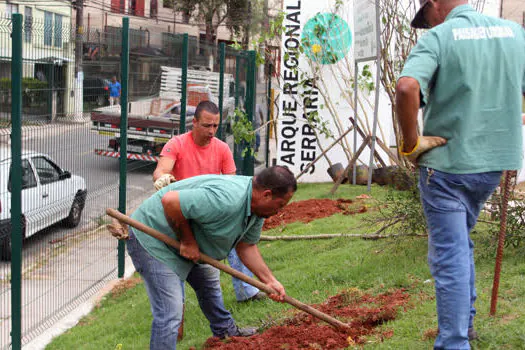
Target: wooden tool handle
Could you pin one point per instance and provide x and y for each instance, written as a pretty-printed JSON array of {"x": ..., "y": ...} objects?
[{"x": 215, "y": 263}]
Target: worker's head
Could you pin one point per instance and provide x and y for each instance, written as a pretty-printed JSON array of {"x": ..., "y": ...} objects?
[
  {"x": 434, "y": 12},
  {"x": 205, "y": 122},
  {"x": 272, "y": 190},
  {"x": 114, "y": 79}
]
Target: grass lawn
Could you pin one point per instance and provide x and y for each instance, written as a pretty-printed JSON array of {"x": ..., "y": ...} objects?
[{"x": 311, "y": 271}]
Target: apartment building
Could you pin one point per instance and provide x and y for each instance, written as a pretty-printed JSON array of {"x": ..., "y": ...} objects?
[{"x": 48, "y": 51}]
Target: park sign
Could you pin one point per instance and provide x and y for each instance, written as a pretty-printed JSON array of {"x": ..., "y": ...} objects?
[
  {"x": 315, "y": 38},
  {"x": 365, "y": 44}
]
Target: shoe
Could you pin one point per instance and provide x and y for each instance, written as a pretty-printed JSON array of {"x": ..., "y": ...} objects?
[
  {"x": 472, "y": 334},
  {"x": 257, "y": 297},
  {"x": 241, "y": 332}
]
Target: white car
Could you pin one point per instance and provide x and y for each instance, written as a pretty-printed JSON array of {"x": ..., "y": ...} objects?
[{"x": 49, "y": 195}]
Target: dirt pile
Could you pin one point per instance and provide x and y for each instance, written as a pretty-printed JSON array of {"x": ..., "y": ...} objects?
[
  {"x": 312, "y": 209},
  {"x": 363, "y": 312}
]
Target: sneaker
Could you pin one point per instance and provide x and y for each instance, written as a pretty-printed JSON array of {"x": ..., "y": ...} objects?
[
  {"x": 472, "y": 334},
  {"x": 257, "y": 297},
  {"x": 241, "y": 332}
]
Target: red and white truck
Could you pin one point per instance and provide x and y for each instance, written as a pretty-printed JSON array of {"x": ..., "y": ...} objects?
[{"x": 154, "y": 121}]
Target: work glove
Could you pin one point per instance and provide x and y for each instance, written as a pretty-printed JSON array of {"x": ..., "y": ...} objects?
[
  {"x": 163, "y": 181},
  {"x": 424, "y": 144},
  {"x": 118, "y": 229}
]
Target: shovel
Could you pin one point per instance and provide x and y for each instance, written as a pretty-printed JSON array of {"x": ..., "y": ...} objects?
[{"x": 210, "y": 261}]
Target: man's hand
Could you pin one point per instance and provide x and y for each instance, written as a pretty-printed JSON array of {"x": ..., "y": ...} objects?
[
  {"x": 278, "y": 287},
  {"x": 190, "y": 251},
  {"x": 118, "y": 229},
  {"x": 424, "y": 144},
  {"x": 163, "y": 181}
]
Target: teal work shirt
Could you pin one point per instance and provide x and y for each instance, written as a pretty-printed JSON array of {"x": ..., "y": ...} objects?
[
  {"x": 218, "y": 210},
  {"x": 471, "y": 71}
]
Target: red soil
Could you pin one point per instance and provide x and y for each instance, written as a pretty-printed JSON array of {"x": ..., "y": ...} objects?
[
  {"x": 362, "y": 312},
  {"x": 311, "y": 209}
]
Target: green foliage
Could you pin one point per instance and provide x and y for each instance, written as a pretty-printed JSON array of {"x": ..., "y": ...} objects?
[
  {"x": 243, "y": 132},
  {"x": 401, "y": 212},
  {"x": 515, "y": 233},
  {"x": 34, "y": 91}
]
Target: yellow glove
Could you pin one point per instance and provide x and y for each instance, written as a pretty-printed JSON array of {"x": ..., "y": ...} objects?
[
  {"x": 163, "y": 181},
  {"x": 423, "y": 144},
  {"x": 118, "y": 229}
]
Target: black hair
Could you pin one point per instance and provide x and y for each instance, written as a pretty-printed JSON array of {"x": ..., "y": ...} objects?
[
  {"x": 279, "y": 179},
  {"x": 206, "y": 106}
]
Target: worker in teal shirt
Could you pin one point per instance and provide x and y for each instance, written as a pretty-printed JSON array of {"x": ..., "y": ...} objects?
[
  {"x": 212, "y": 214},
  {"x": 468, "y": 72}
]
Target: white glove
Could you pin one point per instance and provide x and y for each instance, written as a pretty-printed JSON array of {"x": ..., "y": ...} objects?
[
  {"x": 118, "y": 229},
  {"x": 163, "y": 181}
]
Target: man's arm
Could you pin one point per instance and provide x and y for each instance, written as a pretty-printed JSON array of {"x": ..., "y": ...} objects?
[
  {"x": 252, "y": 258},
  {"x": 172, "y": 209},
  {"x": 407, "y": 107},
  {"x": 164, "y": 166}
]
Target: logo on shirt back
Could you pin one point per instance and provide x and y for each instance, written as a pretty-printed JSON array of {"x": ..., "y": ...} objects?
[{"x": 478, "y": 33}]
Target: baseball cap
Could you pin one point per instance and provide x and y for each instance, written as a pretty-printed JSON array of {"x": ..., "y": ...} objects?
[{"x": 419, "y": 19}]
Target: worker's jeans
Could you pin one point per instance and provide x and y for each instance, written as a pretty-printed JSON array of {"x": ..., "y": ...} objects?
[
  {"x": 452, "y": 203},
  {"x": 166, "y": 295},
  {"x": 243, "y": 290}
]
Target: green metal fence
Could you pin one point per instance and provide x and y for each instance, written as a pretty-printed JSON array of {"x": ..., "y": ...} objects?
[{"x": 66, "y": 154}]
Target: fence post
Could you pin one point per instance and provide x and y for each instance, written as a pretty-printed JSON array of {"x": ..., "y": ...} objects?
[
  {"x": 16, "y": 183},
  {"x": 222, "y": 58},
  {"x": 237, "y": 147},
  {"x": 268, "y": 106},
  {"x": 184, "y": 84},
  {"x": 123, "y": 136},
  {"x": 251, "y": 86}
]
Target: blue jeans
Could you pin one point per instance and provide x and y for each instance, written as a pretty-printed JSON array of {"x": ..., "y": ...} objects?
[
  {"x": 166, "y": 295},
  {"x": 243, "y": 290},
  {"x": 452, "y": 203}
]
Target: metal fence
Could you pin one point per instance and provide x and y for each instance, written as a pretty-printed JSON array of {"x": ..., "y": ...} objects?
[{"x": 66, "y": 154}]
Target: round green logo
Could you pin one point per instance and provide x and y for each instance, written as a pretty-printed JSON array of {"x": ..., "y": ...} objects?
[{"x": 326, "y": 38}]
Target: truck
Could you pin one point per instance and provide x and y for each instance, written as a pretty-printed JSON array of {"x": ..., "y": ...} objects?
[{"x": 153, "y": 121}]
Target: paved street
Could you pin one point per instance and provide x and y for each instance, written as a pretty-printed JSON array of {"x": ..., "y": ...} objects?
[{"x": 65, "y": 266}]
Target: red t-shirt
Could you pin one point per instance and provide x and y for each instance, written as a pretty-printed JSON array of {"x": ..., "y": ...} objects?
[{"x": 193, "y": 160}]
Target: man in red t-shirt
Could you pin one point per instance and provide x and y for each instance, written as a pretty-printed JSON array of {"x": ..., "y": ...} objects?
[{"x": 199, "y": 152}]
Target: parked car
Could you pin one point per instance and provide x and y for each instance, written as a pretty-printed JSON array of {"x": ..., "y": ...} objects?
[
  {"x": 49, "y": 195},
  {"x": 96, "y": 90}
]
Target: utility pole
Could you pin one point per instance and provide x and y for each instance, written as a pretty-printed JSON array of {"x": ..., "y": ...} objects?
[
  {"x": 79, "y": 74},
  {"x": 78, "y": 38}
]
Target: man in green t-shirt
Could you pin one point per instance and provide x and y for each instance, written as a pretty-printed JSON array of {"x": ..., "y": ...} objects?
[
  {"x": 468, "y": 71},
  {"x": 212, "y": 214}
]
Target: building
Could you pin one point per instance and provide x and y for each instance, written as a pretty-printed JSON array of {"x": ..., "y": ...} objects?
[{"x": 48, "y": 52}]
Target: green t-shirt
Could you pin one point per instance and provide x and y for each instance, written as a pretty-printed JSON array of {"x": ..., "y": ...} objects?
[
  {"x": 471, "y": 71},
  {"x": 218, "y": 209}
]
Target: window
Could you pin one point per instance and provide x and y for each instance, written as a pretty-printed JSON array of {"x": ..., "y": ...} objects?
[
  {"x": 167, "y": 4},
  {"x": 48, "y": 28},
  {"x": 47, "y": 171},
  {"x": 58, "y": 31},
  {"x": 10, "y": 9},
  {"x": 153, "y": 9},
  {"x": 136, "y": 7},
  {"x": 28, "y": 24},
  {"x": 117, "y": 6},
  {"x": 28, "y": 176}
]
